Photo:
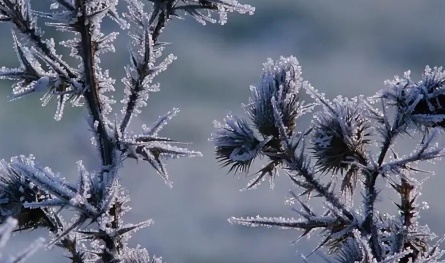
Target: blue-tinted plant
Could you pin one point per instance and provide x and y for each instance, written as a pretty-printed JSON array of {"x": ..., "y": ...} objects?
[
  {"x": 354, "y": 142},
  {"x": 34, "y": 194}
]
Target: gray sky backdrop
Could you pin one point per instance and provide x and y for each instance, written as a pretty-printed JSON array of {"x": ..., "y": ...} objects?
[{"x": 345, "y": 47}]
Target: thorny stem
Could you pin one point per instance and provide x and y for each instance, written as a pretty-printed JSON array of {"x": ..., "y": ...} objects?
[
  {"x": 162, "y": 20},
  {"x": 323, "y": 191},
  {"x": 293, "y": 163},
  {"x": 130, "y": 106},
  {"x": 95, "y": 107},
  {"x": 371, "y": 195},
  {"x": 407, "y": 211},
  {"x": 92, "y": 91},
  {"x": 106, "y": 145},
  {"x": 406, "y": 205},
  {"x": 156, "y": 31}
]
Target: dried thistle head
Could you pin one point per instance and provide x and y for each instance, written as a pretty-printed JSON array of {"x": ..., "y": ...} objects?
[
  {"x": 15, "y": 191},
  {"x": 282, "y": 81},
  {"x": 236, "y": 144},
  {"x": 423, "y": 102},
  {"x": 340, "y": 135}
]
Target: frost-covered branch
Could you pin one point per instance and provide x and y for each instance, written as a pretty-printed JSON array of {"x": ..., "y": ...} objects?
[
  {"x": 34, "y": 194},
  {"x": 351, "y": 140}
]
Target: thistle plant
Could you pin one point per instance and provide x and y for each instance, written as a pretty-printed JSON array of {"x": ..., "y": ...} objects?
[
  {"x": 38, "y": 197},
  {"x": 344, "y": 158}
]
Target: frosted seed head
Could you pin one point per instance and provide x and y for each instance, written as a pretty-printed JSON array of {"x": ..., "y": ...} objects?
[
  {"x": 281, "y": 81},
  {"x": 235, "y": 144},
  {"x": 340, "y": 135}
]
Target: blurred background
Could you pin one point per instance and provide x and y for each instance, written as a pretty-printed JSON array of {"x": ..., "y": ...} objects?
[{"x": 345, "y": 47}]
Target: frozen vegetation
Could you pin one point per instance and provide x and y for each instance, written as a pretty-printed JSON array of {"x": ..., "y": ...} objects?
[{"x": 339, "y": 165}]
